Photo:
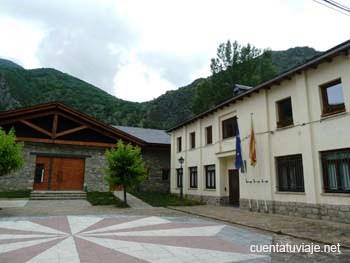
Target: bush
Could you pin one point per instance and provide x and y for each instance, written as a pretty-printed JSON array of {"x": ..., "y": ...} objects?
[
  {"x": 104, "y": 198},
  {"x": 165, "y": 199}
]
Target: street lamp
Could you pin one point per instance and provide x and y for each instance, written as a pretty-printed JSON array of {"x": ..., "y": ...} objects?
[{"x": 181, "y": 161}]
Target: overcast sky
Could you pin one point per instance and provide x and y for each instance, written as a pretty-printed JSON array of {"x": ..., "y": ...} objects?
[{"x": 137, "y": 50}]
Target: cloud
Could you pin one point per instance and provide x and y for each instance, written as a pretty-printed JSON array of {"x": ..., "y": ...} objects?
[
  {"x": 140, "y": 82},
  {"x": 85, "y": 39},
  {"x": 139, "y": 49},
  {"x": 175, "y": 68},
  {"x": 100, "y": 43}
]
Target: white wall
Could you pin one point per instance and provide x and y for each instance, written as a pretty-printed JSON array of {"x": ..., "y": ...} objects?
[{"x": 310, "y": 134}]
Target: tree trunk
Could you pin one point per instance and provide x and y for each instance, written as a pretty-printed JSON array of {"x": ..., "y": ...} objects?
[{"x": 124, "y": 189}]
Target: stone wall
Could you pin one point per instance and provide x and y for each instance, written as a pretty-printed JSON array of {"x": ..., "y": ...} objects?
[
  {"x": 338, "y": 213},
  {"x": 156, "y": 159},
  {"x": 24, "y": 178},
  {"x": 212, "y": 200}
]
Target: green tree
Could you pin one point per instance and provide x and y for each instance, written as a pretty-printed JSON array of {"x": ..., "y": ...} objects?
[
  {"x": 11, "y": 158},
  {"x": 234, "y": 64},
  {"x": 125, "y": 167}
]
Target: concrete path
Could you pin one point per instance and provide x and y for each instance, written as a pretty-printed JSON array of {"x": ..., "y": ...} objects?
[
  {"x": 58, "y": 203},
  {"x": 314, "y": 230},
  {"x": 133, "y": 201},
  {"x": 13, "y": 202}
]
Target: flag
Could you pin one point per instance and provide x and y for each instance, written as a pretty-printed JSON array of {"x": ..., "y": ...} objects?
[
  {"x": 252, "y": 148},
  {"x": 238, "y": 160}
]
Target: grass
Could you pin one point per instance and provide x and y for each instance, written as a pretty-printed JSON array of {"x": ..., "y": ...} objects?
[
  {"x": 15, "y": 194},
  {"x": 104, "y": 198},
  {"x": 164, "y": 199}
]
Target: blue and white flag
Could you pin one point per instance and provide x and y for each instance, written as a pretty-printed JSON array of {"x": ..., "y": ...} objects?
[{"x": 238, "y": 161}]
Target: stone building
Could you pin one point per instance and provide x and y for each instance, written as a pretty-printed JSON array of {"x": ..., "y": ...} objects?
[
  {"x": 64, "y": 150},
  {"x": 302, "y": 126}
]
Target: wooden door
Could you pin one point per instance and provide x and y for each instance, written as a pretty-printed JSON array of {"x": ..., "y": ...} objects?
[
  {"x": 67, "y": 174},
  {"x": 233, "y": 176},
  {"x": 42, "y": 173},
  {"x": 56, "y": 173}
]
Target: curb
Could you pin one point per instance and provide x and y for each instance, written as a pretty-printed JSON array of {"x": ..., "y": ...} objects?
[{"x": 279, "y": 232}]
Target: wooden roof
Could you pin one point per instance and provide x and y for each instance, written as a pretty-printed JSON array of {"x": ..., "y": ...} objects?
[{"x": 60, "y": 124}]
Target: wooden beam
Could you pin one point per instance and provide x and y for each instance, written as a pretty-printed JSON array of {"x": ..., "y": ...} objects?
[
  {"x": 54, "y": 125},
  {"x": 95, "y": 129},
  {"x": 65, "y": 142},
  {"x": 24, "y": 117},
  {"x": 71, "y": 131},
  {"x": 36, "y": 127},
  {"x": 315, "y": 66}
]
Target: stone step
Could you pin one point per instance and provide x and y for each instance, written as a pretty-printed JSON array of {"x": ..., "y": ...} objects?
[
  {"x": 36, "y": 193},
  {"x": 67, "y": 196},
  {"x": 58, "y": 192},
  {"x": 57, "y": 195},
  {"x": 57, "y": 198}
]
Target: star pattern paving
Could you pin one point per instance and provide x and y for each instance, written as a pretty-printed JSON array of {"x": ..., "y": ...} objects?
[{"x": 116, "y": 239}]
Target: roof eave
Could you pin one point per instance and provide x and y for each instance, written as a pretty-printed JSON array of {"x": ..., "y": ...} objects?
[{"x": 314, "y": 62}]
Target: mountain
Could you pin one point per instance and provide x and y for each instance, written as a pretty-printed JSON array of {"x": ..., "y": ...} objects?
[
  {"x": 20, "y": 87},
  {"x": 286, "y": 59},
  {"x": 9, "y": 64}
]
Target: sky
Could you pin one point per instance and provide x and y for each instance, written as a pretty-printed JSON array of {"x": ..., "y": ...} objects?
[{"x": 137, "y": 50}]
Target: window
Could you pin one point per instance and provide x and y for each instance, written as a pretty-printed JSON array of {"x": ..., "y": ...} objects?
[
  {"x": 336, "y": 171},
  {"x": 332, "y": 97},
  {"x": 179, "y": 144},
  {"x": 39, "y": 173},
  {"x": 285, "y": 112},
  {"x": 193, "y": 177},
  {"x": 210, "y": 177},
  {"x": 165, "y": 174},
  {"x": 179, "y": 177},
  {"x": 193, "y": 140},
  {"x": 228, "y": 128},
  {"x": 209, "y": 135},
  {"x": 290, "y": 173}
]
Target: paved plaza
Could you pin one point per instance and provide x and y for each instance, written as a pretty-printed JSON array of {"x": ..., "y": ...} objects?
[
  {"x": 125, "y": 239},
  {"x": 74, "y": 231},
  {"x": 314, "y": 230}
]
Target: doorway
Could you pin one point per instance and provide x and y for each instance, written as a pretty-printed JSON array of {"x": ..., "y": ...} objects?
[
  {"x": 233, "y": 179},
  {"x": 59, "y": 173}
]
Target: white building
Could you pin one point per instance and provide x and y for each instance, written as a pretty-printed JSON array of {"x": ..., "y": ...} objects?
[{"x": 302, "y": 130}]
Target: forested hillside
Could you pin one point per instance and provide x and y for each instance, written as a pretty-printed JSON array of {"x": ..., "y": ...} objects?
[{"x": 20, "y": 87}]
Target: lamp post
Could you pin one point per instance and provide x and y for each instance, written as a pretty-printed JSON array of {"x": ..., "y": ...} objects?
[{"x": 181, "y": 161}]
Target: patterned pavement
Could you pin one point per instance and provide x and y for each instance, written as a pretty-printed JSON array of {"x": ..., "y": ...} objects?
[{"x": 117, "y": 238}]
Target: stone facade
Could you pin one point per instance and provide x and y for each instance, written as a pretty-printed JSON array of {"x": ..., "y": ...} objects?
[
  {"x": 156, "y": 159},
  {"x": 24, "y": 178},
  {"x": 95, "y": 162},
  {"x": 212, "y": 200},
  {"x": 338, "y": 213}
]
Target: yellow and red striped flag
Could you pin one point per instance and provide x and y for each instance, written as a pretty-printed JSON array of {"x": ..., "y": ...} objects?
[{"x": 252, "y": 149}]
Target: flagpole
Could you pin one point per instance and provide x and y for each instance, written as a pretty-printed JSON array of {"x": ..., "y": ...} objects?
[
  {"x": 251, "y": 127},
  {"x": 262, "y": 181},
  {"x": 250, "y": 201}
]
